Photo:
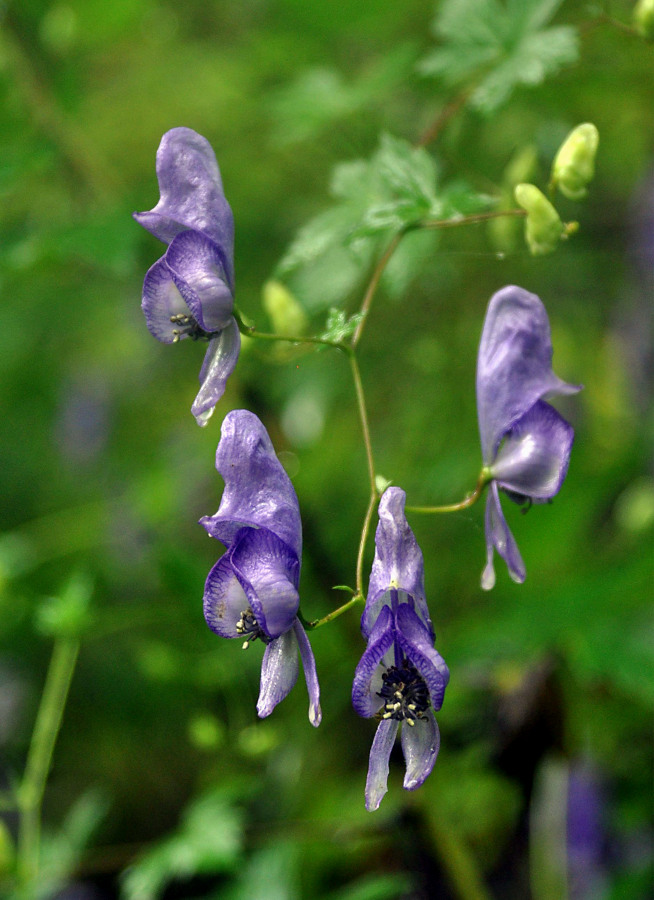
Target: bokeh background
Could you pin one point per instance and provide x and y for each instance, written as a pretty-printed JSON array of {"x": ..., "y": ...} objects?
[{"x": 162, "y": 768}]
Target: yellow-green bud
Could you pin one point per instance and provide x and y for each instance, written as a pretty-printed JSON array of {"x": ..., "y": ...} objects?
[
  {"x": 644, "y": 18},
  {"x": 543, "y": 226},
  {"x": 574, "y": 164},
  {"x": 286, "y": 314}
]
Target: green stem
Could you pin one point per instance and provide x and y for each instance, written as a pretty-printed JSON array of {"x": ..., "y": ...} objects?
[
  {"x": 468, "y": 501},
  {"x": 358, "y": 598},
  {"x": 372, "y": 502},
  {"x": 291, "y": 339},
  {"x": 373, "y": 285},
  {"x": 46, "y": 728},
  {"x": 458, "y": 862},
  {"x": 467, "y": 220}
]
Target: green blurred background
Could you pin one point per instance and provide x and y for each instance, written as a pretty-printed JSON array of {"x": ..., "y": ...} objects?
[{"x": 106, "y": 474}]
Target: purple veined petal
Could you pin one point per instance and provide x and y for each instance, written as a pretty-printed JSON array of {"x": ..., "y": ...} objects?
[
  {"x": 268, "y": 572},
  {"x": 191, "y": 194},
  {"x": 420, "y": 745},
  {"x": 162, "y": 301},
  {"x": 224, "y": 599},
  {"x": 258, "y": 491},
  {"x": 279, "y": 671},
  {"x": 499, "y": 537},
  {"x": 417, "y": 645},
  {"x": 219, "y": 363},
  {"x": 198, "y": 271},
  {"x": 398, "y": 561},
  {"x": 533, "y": 460},
  {"x": 367, "y": 676},
  {"x": 310, "y": 674},
  {"x": 514, "y": 366},
  {"x": 378, "y": 766}
]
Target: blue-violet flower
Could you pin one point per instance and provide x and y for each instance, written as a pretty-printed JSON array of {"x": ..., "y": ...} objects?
[
  {"x": 252, "y": 591},
  {"x": 400, "y": 678},
  {"x": 188, "y": 293},
  {"x": 525, "y": 443}
]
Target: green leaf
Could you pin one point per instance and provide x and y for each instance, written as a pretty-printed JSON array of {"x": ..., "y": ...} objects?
[
  {"x": 209, "y": 840},
  {"x": 339, "y": 327},
  {"x": 496, "y": 46},
  {"x": 375, "y": 198},
  {"x": 319, "y": 97}
]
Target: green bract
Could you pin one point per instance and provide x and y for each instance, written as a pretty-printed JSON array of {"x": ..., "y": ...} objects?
[
  {"x": 543, "y": 226},
  {"x": 574, "y": 164}
]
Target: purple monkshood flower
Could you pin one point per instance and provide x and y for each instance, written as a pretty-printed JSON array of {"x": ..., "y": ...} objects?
[
  {"x": 525, "y": 443},
  {"x": 252, "y": 591},
  {"x": 400, "y": 678},
  {"x": 189, "y": 292}
]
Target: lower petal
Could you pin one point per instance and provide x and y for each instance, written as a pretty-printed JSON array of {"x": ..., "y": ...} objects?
[
  {"x": 420, "y": 745},
  {"x": 219, "y": 363},
  {"x": 198, "y": 270},
  {"x": 310, "y": 674},
  {"x": 499, "y": 537},
  {"x": 380, "y": 752},
  {"x": 533, "y": 460},
  {"x": 278, "y": 672}
]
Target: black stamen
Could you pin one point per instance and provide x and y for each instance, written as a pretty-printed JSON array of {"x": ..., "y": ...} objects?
[
  {"x": 188, "y": 326},
  {"x": 405, "y": 694},
  {"x": 248, "y": 627}
]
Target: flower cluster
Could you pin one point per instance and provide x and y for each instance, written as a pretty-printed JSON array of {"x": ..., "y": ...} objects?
[
  {"x": 252, "y": 591},
  {"x": 401, "y": 679},
  {"x": 189, "y": 292}
]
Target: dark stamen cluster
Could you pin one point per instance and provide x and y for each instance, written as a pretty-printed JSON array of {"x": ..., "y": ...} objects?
[
  {"x": 248, "y": 627},
  {"x": 189, "y": 326},
  {"x": 405, "y": 694}
]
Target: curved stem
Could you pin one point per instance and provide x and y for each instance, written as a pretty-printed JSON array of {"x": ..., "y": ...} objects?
[
  {"x": 468, "y": 501},
  {"x": 374, "y": 283},
  {"x": 46, "y": 728},
  {"x": 358, "y": 598}
]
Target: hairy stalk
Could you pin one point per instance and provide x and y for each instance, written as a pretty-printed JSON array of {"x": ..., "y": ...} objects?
[
  {"x": 44, "y": 736},
  {"x": 468, "y": 501}
]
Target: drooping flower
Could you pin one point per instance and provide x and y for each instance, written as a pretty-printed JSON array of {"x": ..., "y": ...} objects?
[
  {"x": 401, "y": 678},
  {"x": 188, "y": 293},
  {"x": 252, "y": 591},
  {"x": 525, "y": 443}
]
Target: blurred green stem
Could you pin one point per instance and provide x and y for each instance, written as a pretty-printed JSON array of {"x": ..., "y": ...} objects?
[
  {"x": 46, "y": 728},
  {"x": 458, "y": 862},
  {"x": 471, "y": 498}
]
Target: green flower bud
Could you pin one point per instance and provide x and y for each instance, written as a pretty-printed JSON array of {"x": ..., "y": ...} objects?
[
  {"x": 574, "y": 164},
  {"x": 543, "y": 226},
  {"x": 286, "y": 314},
  {"x": 643, "y": 18}
]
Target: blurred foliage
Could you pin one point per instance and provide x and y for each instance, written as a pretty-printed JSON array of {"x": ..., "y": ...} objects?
[{"x": 106, "y": 474}]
